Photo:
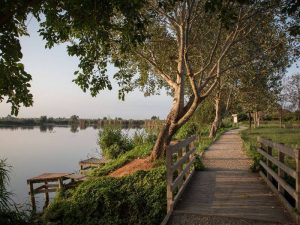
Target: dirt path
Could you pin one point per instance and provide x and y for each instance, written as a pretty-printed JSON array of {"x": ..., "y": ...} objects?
[
  {"x": 227, "y": 192},
  {"x": 226, "y": 154}
]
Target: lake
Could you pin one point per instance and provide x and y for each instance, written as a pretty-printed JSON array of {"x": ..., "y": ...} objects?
[{"x": 32, "y": 151}]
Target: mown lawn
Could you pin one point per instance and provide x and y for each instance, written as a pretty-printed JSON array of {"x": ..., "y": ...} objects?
[{"x": 288, "y": 136}]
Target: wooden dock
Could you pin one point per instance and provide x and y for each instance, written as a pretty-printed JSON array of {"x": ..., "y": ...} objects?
[
  {"x": 51, "y": 182},
  {"x": 227, "y": 192},
  {"x": 91, "y": 163}
]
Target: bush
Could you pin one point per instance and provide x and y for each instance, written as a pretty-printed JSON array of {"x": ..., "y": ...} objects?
[
  {"x": 199, "y": 166},
  {"x": 187, "y": 130},
  {"x": 250, "y": 149},
  {"x": 139, "y": 198},
  {"x": 113, "y": 143},
  {"x": 242, "y": 116},
  {"x": 141, "y": 137},
  {"x": 226, "y": 123}
]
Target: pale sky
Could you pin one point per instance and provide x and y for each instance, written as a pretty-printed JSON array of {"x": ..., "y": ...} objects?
[{"x": 55, "y": 95}]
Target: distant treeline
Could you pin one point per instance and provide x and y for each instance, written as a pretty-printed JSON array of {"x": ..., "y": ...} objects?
[{"x": 77, "y": 122}]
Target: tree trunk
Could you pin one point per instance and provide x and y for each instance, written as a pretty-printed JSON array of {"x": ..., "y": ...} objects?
[
  {"x": 162, "y": 141},
  {"x": 215, "y": 125},
  {"x": 250, "y": 122},
  {"x": 258, "y": 119}
]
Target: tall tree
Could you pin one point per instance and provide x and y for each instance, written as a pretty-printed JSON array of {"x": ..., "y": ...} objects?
[
  {"x": 182, "y": 48},
  {"x": 291, "y": 92},
  {"x": 180, "y": 45}
]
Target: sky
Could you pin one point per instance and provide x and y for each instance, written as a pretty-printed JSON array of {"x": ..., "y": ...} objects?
[{"x": 55, "y": 95}]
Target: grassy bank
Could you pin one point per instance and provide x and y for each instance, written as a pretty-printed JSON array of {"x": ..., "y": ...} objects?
[
  {"x": 139, "y": 198},
  {"x": 287, "y": 136}
]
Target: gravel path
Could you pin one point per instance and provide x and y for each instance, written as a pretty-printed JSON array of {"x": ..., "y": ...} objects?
[
  {"x": 226, "y": 154},
  {"x": 227, "y": 193}
]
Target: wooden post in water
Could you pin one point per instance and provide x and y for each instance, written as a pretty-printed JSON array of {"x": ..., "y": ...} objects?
[
  {"x": 32, "y": 198},
  {"x": 60, "y": 183},
  {"x": 46, "y": 195}
]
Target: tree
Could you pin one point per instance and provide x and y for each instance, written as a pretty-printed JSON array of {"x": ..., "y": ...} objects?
[
  {"x": 43, "y": 119},
  {"x": 89, "y": 16},
  {"x": 180, "y": 45},
  {"x": 291, "y": 92},
  {"x": 74, "y": 120}
]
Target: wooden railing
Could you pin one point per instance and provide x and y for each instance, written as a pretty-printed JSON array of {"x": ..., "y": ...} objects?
[
  {"x": 179, "y": 162},
  {"x": 275, "y": 155}
]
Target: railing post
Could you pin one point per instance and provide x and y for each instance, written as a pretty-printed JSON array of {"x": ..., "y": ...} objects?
[
  {"x": 297, "y": 159},
  {"x": 181, "y": 166},
  {"x": 269, "y": 163},
  {"x": 169, "y": 180},
  {"x": 280, "y": 171}
]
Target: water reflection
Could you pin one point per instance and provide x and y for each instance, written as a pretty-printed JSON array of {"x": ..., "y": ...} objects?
[{"x": 35, "y": 150}]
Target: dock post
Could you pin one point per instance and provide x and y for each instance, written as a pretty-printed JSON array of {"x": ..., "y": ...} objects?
[
  {"x": 32, "y": 198},
  {"x": 46, "y": 195},
  {"x": 60, "y": 183}
]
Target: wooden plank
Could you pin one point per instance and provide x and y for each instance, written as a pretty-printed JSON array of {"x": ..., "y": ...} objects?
[
  {"x": 47, "y": 177},
  {"x": 286, "y": 204},
  {"x": 75, "y": 176},
  {"x": 280, "y": 147},
  {"x": 282, "y": 182},
  {"x": 182, "y": 174},
  {"x": 284, "y": 167},
  {"x": 181, "y": 144},
  {"x": 45, "y": 190},
  {"x": 182, "y": 160}
]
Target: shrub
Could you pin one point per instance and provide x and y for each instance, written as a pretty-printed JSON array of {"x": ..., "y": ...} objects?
[
  {"x": 9, "y": 213},
  {"x": 199, "y": 166},
  {"x": 139, "y": 198},
  {"x": 113, "y": 143},
  {"x": 242, "y": 116},
  {"x": 187, "y": 130}
]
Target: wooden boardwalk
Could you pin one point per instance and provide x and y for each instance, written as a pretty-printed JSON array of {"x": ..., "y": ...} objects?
[{"x": 227, "y": 192}]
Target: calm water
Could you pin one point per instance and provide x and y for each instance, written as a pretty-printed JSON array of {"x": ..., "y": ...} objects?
[{"x": 31, "y": 152}]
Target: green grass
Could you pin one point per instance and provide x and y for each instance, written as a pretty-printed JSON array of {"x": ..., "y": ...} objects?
[{"x": 287, "y": 136}]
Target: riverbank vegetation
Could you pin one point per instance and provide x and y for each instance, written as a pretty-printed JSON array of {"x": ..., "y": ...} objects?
[
  {"x": 74, "y": 121},
  {"x": 10, "y": 214}
]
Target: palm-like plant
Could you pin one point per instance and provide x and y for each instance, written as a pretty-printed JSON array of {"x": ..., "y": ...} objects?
[{"x": 5, "y": 196}]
